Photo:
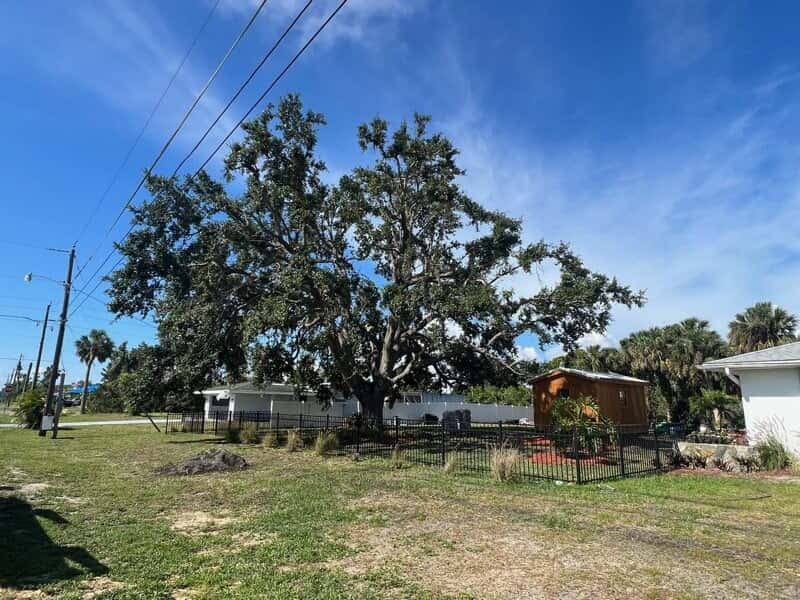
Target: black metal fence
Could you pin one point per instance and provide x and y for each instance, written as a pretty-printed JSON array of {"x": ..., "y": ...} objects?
[{"x": 533, "y": 453}]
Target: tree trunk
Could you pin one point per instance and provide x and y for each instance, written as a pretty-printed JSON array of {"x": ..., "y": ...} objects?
[
  {"x": 371, "y": 399},
  {"x": 84, "y": 394}
]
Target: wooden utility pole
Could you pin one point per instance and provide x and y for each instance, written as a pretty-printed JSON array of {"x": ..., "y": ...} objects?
[
  {"x": 27, "y": 378},
  {"x": 51, "y": 385},
  {"x": 41, "y": 347},
  {"x": 59, "y": 405}
]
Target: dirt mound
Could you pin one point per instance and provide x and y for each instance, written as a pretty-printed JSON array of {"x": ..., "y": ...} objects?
[{"x": 206, "y": 462}]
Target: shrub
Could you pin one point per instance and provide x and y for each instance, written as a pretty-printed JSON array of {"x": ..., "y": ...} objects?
[
  {"x": 233, "y": 435},
  {"x": 397, "y": 458},
  {"x": 294, "y": 441},
  {"x": 581, "y": 415},
  {"x": 772, "y": 454},
  {"x": 271, "y": 439},
  {"x": 326, "y": 443},
  {"x": 502, "y": 460},
  {"x": 250, "y": 435},
  {"x": 28, "y": 409},
  {"x": 452, "y": 464}
]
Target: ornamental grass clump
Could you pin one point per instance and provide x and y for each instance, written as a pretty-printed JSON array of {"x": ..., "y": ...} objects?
[
  {"x": 502, "y": 461},
  {"x": 396, "y": 460},
  {"x": 772, "y": 454},
  {"x": 294, "y": 442},
  {"x": 271, "y": 439},
  {"x": 326, "y": 443},
  {"x": 452, "y": 464},
  {"x": 250, "y": 434}
]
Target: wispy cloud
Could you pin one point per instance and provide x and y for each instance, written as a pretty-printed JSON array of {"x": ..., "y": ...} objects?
[
  {"x": 701, "y": 216},
  {"x": 679, "y": 32},
  {"x": 367, "y": 22}
]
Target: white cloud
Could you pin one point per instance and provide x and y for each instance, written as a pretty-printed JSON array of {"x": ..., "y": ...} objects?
[
  {"x": 702, "y": 217},
  {"x": 679, "y": 32},
  {"x": 367, "y": 22}
]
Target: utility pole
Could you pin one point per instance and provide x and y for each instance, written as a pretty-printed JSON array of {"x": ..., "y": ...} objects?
[
  {"x": 41, "y": 347},
  {"x": 59, "y": 405},
  {"x": 51, "y": 385},
  {"x": 27, "y": 378}
]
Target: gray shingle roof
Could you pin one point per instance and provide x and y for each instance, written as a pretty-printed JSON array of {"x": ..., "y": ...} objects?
[{"x": 777, "y": 356}]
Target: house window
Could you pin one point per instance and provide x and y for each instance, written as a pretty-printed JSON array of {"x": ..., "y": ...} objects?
[
  {"x": 413, "y": 398},
  {"x": 217, "y": 402}
]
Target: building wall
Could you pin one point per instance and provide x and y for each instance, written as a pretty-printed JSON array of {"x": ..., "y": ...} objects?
[
  {"x": 628, "y": 410},
  {"x": 480, "y": 413},
  {"x": 771, "y": 402}
]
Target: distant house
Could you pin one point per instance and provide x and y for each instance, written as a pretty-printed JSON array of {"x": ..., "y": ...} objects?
[
  {"x": 281, "y": 398},
  {"x": 621, "y": 398},
  {"x": 769, "y": 380}
]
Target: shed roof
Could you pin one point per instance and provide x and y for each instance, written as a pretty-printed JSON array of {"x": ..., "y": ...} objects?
[
  {"x": 787, "y": 355},
  {"x": 602, "y": 376},
  {"x": 248, "y": 387}
]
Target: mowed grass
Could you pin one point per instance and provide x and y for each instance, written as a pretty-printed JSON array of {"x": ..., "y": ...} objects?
[{"x": 85, "y": 516}]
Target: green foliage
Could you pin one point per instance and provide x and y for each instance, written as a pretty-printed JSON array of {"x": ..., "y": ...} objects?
[
  {"x": 392, "y": 278},
  {"x": 715, "y": 408},
  {"x": 326, "y": 443},
  {"x": 232, "y": 435},
  {"x": 761, "y": 326},
  {"x": 592, "y": 358},
  {"x": 581, "y": 415},
  {"x": 106, "y": 399},
  {"x": 772, "y": 454},
  {"x": 490, "y": 394},
  {"x": 668, "y": 358},
  {"x": 250, "y": 434},
  {"x": 28, "y": 408}
]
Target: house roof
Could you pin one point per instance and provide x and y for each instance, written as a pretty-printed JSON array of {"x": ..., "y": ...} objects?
[
  {"x": 603, "y": 376},
  {"x": 787, "y": 355},
  {"x": 249, "y": 387}
]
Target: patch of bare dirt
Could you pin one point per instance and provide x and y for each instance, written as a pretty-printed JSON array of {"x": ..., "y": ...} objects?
[
  {"x": 33, "y": 489},
  {"x": 199, "y": 523},
  {"x": 11, "y": 594},
  {"x": 97, "y": 586},
  {"x": 456, "y": 548}
]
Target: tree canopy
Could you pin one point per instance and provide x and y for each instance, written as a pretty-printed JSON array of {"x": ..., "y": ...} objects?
[
  {"x": 97, "y": 346},
  {"x": 391, "y": 278},
  {"x": 761, "y": 326}
]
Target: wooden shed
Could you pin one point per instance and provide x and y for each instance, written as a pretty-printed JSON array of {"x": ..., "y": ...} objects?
[{"x": 621, "y": 398}]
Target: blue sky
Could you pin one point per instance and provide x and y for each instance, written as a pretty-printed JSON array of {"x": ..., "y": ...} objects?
[{"x": 659, "y": 138}]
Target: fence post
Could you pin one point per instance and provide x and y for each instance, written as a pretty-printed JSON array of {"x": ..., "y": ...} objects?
[
  {"x": 277, "y": 420},
  {"x": 397, "y": 431},
  {"x": 203, "y": 422},
  {"x": 327, "y": 422},
  {"x": 166, "y": 425},
  {"x": 300, "y": 422},
  {"x": 658, "y": 449},
  {"x": 576, "y": 452},
  {"x": 444, "y": 445},
  {"x": 499, "y": 434},
  {"x": 621, "y": 445}
]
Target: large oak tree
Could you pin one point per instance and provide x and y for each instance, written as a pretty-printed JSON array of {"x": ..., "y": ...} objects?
[{"x": 392, "y": 278}]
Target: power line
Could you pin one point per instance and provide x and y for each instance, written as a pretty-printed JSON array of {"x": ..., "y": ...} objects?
[
  {"x": 155, "y": 108},
  {"x": 174, "y": 134},
  {"x": 225, "y": 139},
  {"x": 243, "y": 86}
]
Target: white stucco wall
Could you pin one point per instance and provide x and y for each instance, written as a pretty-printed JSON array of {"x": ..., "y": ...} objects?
[
  {"x": 771, "y": 402},
  {"x": 480, "y": 413}
]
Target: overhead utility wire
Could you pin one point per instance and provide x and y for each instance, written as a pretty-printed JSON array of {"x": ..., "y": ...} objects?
[
  {"x": 152, "y": 114},
  {"x": 174, "y": 134},
  {"x": 230, "y": 133}
]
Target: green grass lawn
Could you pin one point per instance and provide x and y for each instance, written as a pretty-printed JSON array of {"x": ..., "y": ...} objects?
[
  {"x": 72, "y": 414},
  {"x": 85, "y": 516}
]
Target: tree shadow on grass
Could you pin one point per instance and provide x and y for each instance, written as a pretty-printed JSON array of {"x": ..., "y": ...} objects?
[
  {"x": 203, "y": 441},
  {"x": 28, "y": 557}
]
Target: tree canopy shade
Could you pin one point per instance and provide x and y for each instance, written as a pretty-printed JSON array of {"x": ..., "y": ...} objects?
[
  {"x": 392, "y": 278},
  {"x": 761, "y": 326}
]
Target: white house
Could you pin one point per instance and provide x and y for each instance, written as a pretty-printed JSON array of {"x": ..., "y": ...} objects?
[
  {"x": 770, "y": 384},
  {"x": 280, "y": 398}
]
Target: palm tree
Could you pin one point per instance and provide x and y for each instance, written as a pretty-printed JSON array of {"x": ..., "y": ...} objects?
[
  {"x": 97, "y": 346},
  {"x": 761, "y": 326}
]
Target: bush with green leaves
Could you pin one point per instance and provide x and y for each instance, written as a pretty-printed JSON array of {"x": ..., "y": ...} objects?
[
  {"x": 28, "y": 409},
  {"x": 581, "y": 416},
  {"x": 233, "y": 434},
  {"x": 773, "y": 454}
]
